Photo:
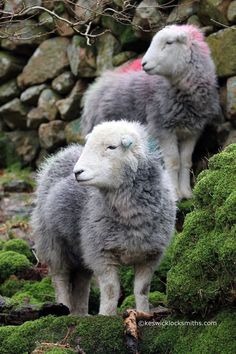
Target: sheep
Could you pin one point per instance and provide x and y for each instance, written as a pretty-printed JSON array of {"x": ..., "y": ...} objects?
[
  {"x": 176, "y": 95},
  {"x": 106, "y": 205}
]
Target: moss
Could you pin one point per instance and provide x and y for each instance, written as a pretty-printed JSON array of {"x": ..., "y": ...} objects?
[
  {"x": 176, "y": 336},
  {"x": 11, "y": 263},
  {"x": 98, "y": 334},
  {"x": 19, "y": 246},
  {"x": 155, "y": 298},
  {"x": 32, "y": 292},
  {"x": 102, "y": 334},
  {"x": 11, "y": 286},
  {"x": 203, "y": 269}
]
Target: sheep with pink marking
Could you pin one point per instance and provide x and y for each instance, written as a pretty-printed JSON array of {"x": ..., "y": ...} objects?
[{"x": 176, "y": 95}]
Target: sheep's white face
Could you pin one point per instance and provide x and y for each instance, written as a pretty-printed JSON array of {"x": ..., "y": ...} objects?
[
  {"x": 109, "y": 148},
  {"x": 169, "y": 53}
]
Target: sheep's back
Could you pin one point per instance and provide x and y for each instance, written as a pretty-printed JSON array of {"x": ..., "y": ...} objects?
[{"x": 56, "y": 216}]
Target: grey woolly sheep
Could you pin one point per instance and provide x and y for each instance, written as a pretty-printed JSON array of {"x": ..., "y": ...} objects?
[
  {"x": 177, "y": 98},
  {"x": 99, "y": 207}
]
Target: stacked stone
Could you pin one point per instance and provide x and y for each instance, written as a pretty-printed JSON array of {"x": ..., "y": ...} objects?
[{"x": 46, "y": 68}]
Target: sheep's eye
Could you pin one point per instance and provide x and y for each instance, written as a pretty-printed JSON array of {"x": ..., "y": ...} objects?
[
  {"x": 169, "y": 42},
  {"x": 111, "y": 147}
]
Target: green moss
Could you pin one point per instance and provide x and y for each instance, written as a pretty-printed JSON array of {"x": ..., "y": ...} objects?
[
  {"x": 19, "y": 246},
  {"x": 98, "y": 334},
  {"x": 155, "y": 298},
  {"x": 102, "y": 334},
  {"x": 11, "y": 263},
  {"x": 176, "y": 336},
  {"x": 11, "y": 286},
  {"x": 203, "y": 269},
  {"x": 8, "y": 155}
]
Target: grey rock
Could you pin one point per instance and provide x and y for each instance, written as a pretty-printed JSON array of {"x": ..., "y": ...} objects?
[
  {"x": 15, "y": 6},
  {"x": 23, "y": 33},
  {"x": 14, "y": 114},
  {"x": 26, "y": 144},
  {"x": 231, "y": 13},
  {"x": 123, "y": 57},
  {"x": 9, "y": 65},
  {"x": 46, "y": 20},
  {"x": 194, "y": 20},
  {"x": 63, "y": 83},
  {"x": 87, "y": 9},
  {"x": 148, "y": 17},
  {"x": 107, "y": 47},
  {"x": 183, "y": 11},
  {"x": 82, "y": 58},
  {"x": 47, "y": 101},
  {"x": 213, "y": 10},
  {"x": 52, "y": 135},
  {"x": 46, "y": 110},
  {"x": 69, "y": 107},
  {"x": 8, "y": 91},
  {"x": 48, "y": 61},
  {"x": 17, "y": 186},
  {"x": 231, "y": 138},
  {"x": 36, "y": 117},
  {"x": 31, "y": 95},
  {"x": 231, "y": 98},
  {"x": 223, "y": 48},
  {"x": 73, "y": 132}
]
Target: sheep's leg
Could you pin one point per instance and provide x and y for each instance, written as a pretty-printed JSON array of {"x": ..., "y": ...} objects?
[
  {"x": 109, "y": 289},
  {"x": 169, "y": 147},
  {"x": 62, "y": 285},
  {"x": 142, "y": 280},
  {"x": 80, "y": 293},
  {"x": 186, "y": 150}
]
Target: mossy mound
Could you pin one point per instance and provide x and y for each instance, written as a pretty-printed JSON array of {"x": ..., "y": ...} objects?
[
  {"x": 12, "y": 263},
  {"x": 20, "y": 246},
  {"x": 155, "y": 299},
  {"x": 180, "y": 335},
  {"x": 202, "y": 277},
  {"x": 24, "y": 290},
  {"x": 105, "y": 335}
]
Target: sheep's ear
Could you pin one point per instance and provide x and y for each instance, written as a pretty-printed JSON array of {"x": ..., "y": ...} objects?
[
  {"x": 127, "y": 141},
  {"x": 182, "y": 38}
]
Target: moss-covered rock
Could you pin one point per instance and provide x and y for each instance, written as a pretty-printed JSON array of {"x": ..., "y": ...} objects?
[
  {"x": 202, "y": 277},
  {"x": 180, "y": 335},
  {"x": 11, "y": 263},
  {"x": 155, "y": 299},
  {"x": 20, "y": 246},
  {"x": 103, "y": 334}
]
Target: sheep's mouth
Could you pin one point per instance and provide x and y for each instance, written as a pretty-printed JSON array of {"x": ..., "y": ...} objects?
[{"x": 84, "y": 180}]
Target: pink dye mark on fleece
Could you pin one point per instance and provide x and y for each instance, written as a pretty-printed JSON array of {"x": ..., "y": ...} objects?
[
  {"x": 195, "y": 35},
  {"x": 134, "y": 65}
]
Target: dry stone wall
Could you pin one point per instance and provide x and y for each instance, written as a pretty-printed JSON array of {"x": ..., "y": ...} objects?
[{"x": 46, "y": 66}]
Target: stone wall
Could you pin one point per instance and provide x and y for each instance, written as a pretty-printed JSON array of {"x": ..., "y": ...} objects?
[{"x": 46, "y": 66}]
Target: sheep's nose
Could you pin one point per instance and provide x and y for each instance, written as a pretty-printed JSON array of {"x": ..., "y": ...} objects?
[
  {"x": 78, "y": 173},
  {"x": 144, "y": 63}
]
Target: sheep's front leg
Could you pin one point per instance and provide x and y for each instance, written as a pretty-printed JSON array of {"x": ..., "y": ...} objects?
[
  {"x": 62, "y": 285},
  {"x": 80, "y": 293},
  {"x": 109, "y": 290},
  {"x": 142, "y": 280},
  {"x": 186, "y": 150},
  {"x": 169, "y": 146}
]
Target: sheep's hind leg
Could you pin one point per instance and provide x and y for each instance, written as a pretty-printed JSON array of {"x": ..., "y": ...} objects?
[
  {"x": 169, "y": 146},
  {"x": 62, "y": 285},
  {"x": 142, "y": 280},
  {"x": 110, "y": 290},
  {"x": 80, "y": 293},
  {"x": 186, "y": 150}
]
